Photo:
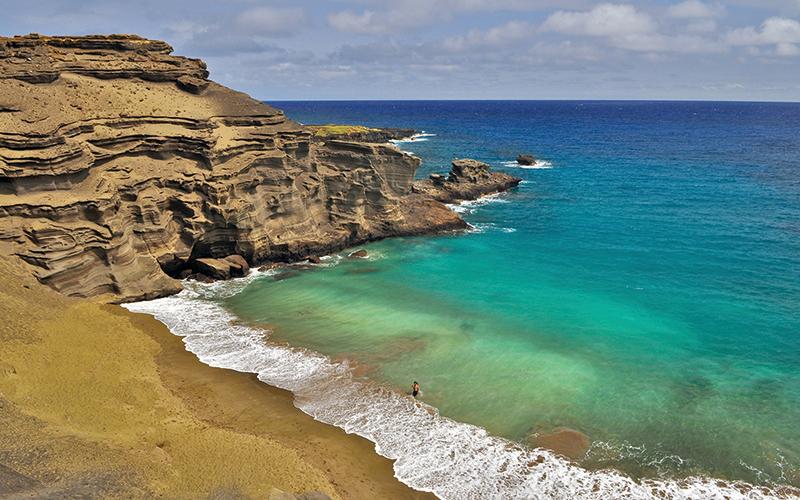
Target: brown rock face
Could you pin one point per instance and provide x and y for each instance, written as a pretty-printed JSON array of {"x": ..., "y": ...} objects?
[
  {"x": 468, "y": 180},
  {"x": 121, "y": 165}
]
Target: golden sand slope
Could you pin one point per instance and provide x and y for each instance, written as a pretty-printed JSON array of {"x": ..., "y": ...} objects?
[{"x": 99, "y": 401}]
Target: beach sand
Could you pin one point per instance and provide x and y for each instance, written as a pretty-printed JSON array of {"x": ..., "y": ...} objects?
[{"x": 97, "y": 401}]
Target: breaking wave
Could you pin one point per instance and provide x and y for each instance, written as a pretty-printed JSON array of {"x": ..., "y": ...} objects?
[
  {"x": 432, "y": 453},
  {"x": 537, "y": 165}
]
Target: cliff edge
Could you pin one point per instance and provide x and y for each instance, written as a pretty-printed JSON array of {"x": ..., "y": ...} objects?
[{"x": 121, "y": 165}]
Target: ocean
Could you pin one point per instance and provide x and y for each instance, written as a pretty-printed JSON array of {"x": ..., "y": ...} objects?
[{"x": 641, "y": 286}]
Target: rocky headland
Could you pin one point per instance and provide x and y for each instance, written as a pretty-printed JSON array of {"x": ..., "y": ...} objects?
[
  {"x": 467, "y": 180},
  {"x": 122, "y": 168},
  {"x": 359, "y": 133}
]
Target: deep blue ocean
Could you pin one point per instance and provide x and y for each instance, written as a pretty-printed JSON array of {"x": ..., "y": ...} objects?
[{"x": 641, "y": 286}]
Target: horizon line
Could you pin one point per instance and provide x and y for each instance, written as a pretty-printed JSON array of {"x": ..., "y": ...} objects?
[{"x": 765, "y": 101}]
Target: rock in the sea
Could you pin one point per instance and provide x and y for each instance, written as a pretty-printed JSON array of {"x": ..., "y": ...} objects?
[
  {"x": 269, "y": 266},
  {"x": 239, "y": 265},
  {"x": 526, "y": 160},
  {"x": 202, "y": 278},
  {"x": 468, "y": 171},
  {"x": 359, "y": 254},
  {"x": 468, "y": 180},
  {"x": 218, "y": 269},
  {"x": 313, "y": 259}
]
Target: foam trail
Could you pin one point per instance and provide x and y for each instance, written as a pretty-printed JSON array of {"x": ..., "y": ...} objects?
[
  {"x": 469, "y": 206},
  {"x": 432, "y": 453},
  {"x": 421, "y": 137},
  {"x": 537, "y": 165}
]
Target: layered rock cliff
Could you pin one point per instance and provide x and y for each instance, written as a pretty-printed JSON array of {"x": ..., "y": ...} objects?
[{"x": 121, "y": 165}]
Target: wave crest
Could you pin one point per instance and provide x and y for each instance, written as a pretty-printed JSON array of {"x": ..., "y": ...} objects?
[{"x": 432, "y": 453}]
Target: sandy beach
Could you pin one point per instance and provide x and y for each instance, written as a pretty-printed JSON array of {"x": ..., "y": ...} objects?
[{"x": 102, "y": 402}]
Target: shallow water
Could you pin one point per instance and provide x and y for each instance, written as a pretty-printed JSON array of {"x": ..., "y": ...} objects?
[{"x": 644, "y": 289}]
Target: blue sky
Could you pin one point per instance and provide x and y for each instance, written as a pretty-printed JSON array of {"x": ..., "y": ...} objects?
[{"x": 460, "y": 49}]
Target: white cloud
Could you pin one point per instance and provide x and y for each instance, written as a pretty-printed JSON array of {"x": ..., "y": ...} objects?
[
  {"x": 782, "y": 32},
  {"x": 775, "y": 30},
  {"x": 694, "y": 9},
  {"x": 270, "y": 21},
  {"x": 381, "y": 17},
  {"x": 787, "y": 49},
  {"x": 351, "y": 22},
  {"x": 702, "y": 26},
  {"x": 603, "y": 20},
  {"x": 676, "y": 44},
  {"x": 509, "y": 32}
]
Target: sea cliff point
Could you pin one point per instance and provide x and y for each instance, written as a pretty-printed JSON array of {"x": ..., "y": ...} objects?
[{"x": 121, "y": 165}]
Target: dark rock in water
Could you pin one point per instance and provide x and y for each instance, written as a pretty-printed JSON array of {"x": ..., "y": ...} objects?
[
  {"x": 269, "y": 266},
  {"x": 468, "y": 170},
  {"x": 202, "y": 278},
  {"x": 314, "y": 259},
  {"x": 468, "y": 180},
  {"x": 564, "y": 441},
  {"x": 288, "y": 273},
  {"x": 526, "y": 160},
  {"x": 359, "y": 254},
  {"x": 214, "y": 268},
  {"x": 239, "y": 265},
  {"x": 185, "y": 274}
]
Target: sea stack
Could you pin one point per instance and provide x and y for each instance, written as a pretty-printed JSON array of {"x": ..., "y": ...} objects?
[{"x": 468, "y": 179}]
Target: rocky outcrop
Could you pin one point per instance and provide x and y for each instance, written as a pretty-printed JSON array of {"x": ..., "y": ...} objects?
[
  {"x": 358, "y": 133},
  {"x": 468, "y": 180},
  {"x": 123, "y": 167},
  {"x": 526, "y": 160}
]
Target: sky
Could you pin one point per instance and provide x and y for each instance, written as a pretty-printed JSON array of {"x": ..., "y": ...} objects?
[{"x": 459, "y": 49}]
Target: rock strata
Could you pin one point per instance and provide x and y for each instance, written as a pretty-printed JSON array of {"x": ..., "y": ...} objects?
[
  {"x": 468, "y": 180},
  {"x": 359, "y": 133},
  {"x": 122, "y": 167}
]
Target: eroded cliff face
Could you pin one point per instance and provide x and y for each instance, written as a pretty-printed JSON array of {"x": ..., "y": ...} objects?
[{"x": 120, "y": 164}]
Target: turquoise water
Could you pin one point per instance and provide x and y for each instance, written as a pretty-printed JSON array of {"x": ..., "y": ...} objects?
[{"x": 644, "y": 290}]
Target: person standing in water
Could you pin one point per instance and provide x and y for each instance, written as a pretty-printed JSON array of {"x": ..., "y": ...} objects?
[{"x": 415, "y": 389}]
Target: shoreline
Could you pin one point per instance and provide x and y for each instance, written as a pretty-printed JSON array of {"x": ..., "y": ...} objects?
[
  {"x": 96, "y": 401},
  {"x": 242, "y": 402},
  {"x": 459, "y": 460}
]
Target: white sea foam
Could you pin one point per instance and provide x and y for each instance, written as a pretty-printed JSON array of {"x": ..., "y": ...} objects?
[
  {"x": 537, "y": 165},
  {"x": 432, "y": 453},
  {"x": 469, "y": 206},
  {"x": 483, "y": 227},
  {"x": 421, "y": 137}
]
